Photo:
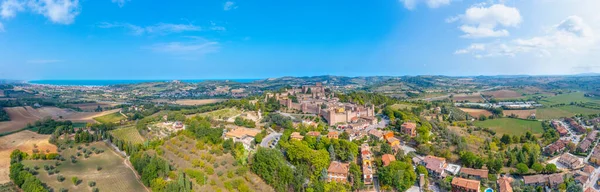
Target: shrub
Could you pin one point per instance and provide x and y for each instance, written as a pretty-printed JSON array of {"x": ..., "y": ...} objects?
[
  {"x": 95, "y": 189},
  {"x": 75, "y": 180},
  {"x": 98, "y": 168},
  {"x": 91, "y": 183},
  {"x": 60, "y": 178}
]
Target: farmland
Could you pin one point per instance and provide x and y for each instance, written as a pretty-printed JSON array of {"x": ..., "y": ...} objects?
[
  {"x": 114, "y": 174},
  {"x": 511, "y": 126},
  {"x": 403, "y": 106},
  {"x": 128, "y": 134},
  {"x": 476, "y": 112},
  {"x": 25, "y": 141},
  {"x": 467, "y": 97},
  {"x": 189, "y": 101},
  {"x": 504, "y": 94},
  {"x": 20, "y": 116},
  {"x": 568, "y": 98},
  {"x": 222, "y": 171},
  {"x": 523, "y": 114},
  {"x": 110, "y": 118},
  {"x": 221, "y": 114},
  {"x": 93, "y": 106},
  {"x": 563, "y": 111}
]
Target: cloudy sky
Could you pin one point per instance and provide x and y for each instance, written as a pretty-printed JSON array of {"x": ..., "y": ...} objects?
[{"x": 135, "y": 39}]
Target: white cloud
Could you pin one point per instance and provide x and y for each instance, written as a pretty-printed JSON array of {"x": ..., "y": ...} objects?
[
  {"x": 58, "y": 11},
  {"x": 159, "y": 28},
  {"x": 229, "y": 5},
  {"x": 196, "y": 48},
  {"x": 43, "y": 61},
  {"x": 480, "y": 22},
  {"x": 121, "y": 3},
  {"x": 9, "y": 8},
  {"x": 572, "y": 35},
  {"x": 412, "y": 4}
]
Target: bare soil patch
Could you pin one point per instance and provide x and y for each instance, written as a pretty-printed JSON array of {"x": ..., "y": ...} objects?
[
  {"x": 476, "y": 112},
  {"x": 504, "y": 94},
  {"x": 23, "y": 141},
  {"x": 467, "y": 97},
  {"x": 523, "y": 114}
]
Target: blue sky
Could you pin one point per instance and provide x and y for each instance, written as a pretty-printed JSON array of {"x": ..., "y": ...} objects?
[{"x": 134, "y": 39}]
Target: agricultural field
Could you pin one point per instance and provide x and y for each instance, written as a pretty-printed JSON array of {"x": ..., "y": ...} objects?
[
  {"x": 114, "y": 174},
  {"x": 467, "y": 97},
  {"x": 110, "y": 118},
  {"x": 221, "y": 171},
  {"x": 511, "y": 126},
  {"x": 25, "y": 141},
  {"x": 403, "y": 106},
  {"x": 504, "y": 94},
  {"x": 189, "y": 101},
  {"x": 523, "y": 114},
  {"x": 563, "y": 111},
  {"x": 476, "y": 112},
  {"x": 128, "y": 134},
  {"x": 568, "y": 98},
  {"x": 20, "y": 116},
  {"x": 221, "y": 114},
  {"x": 91, "y": 107}
]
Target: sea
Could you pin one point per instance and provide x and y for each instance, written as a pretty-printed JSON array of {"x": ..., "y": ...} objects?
[{"x": 120, "y": 82}]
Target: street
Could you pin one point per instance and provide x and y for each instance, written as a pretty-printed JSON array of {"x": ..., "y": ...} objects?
[{"x": 267, "y": 140}]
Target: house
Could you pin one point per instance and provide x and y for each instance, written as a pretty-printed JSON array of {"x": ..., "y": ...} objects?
[
  {"x": 338, "y": 171},
  {"x": 367, "y": 163},
  {"x": 569, "y": 161},
  {"x": 243, "y": 135},
  {"x": 376, "y": 134},
  {"x": 582, "y": 179},
  {"x": 388, "y": 135},
  {"x": 409, "y": 128},
  {"x": 584, "y": 146},
  {"x": 393, "y": 141},
  {"x": 504, "y": 184},
  {"x": 560, "y": 128},
  {"x": 555, "y": 179},
  {"x": 588, "y": 169},
  {"x": 333, "y": 135},
  {"x": 477, "y": 173},
  {"x": 313, "y": 133},
  {"x": 464, "y": 185},
  {"x": 535, "y": 180},
  {"x": 296, "y": 136},
  {"x": 556, "y": 147},
  {"x": 595, "y": 157},
  {"x": 387, "y": 159},
  {"x": 435, "y": 166},
  {"x": 578, "y": 128}
]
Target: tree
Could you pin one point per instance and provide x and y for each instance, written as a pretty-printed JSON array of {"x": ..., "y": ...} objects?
[
  {"x": 506, "y": 139},
  {"x": 522, "y": 168},
  {"x": 386, "y": 148},
  {"x": 356, "y": 174},
  {"x": 75, "y": 180},
  {"x": 331, "y": 153},
  {"x": 270, "y": 165},
  {"x": 422, "y": 170},
  {"x": 537, "y": 167},
  {"x": 398, "y": 174},
  {"x": 550, "y": 168}
]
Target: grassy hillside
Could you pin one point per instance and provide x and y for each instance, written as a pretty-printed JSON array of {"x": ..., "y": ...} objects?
[
  {"x": 110, "y": 118},
  {"x": 129, "y": 134},
  {"x": 511, "y": 126}
]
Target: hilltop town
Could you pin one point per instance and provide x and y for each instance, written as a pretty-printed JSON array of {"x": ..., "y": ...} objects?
[{"x": 457, "y": 134}]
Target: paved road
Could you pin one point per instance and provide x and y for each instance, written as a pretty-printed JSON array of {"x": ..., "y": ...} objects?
[{"x": 265, "y": 142}]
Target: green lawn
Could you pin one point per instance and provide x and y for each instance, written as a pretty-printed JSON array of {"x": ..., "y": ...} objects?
[
  {"x": 563, "y": 111},
  {"x": 568, "y": 98},
  {"x": 114, "y": 175},
  {"x": 130, "y": 134},
  {"x": 110, "y": 118},
  {"x": 511, "y": 126}
]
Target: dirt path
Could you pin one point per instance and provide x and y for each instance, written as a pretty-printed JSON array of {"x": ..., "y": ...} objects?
[{"x": 128, "y": 164}]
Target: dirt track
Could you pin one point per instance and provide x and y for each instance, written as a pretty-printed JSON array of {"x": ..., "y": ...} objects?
[{"x": 23, "y": 141}]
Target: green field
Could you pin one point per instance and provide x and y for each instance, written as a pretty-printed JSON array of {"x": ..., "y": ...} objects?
[
  {"x": 114, "y": 175},
  {"x": 568, "y": 98},
  {"x": 403, "y": 106},
  {"x": 110, "y": 118},
  {"x": 222, "y": 114},
  {"x": 79, "y": 125},
  {"x": 563, "y": 111},
  {"x": 511, "y": 126},
  {"x": 129, "y": 134}
]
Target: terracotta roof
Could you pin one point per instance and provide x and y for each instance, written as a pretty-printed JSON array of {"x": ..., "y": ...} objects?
[
  {"x": 589, "y": 189},
  {"x": 466, "y": 183},
  {"x": 387, "y": 159},
  {"x": 482, "y": 173},
  {"x": 296, "y": 135},
  {"x": 556, "y": 179},
  {"x": 504, "y": 184},
  {"x": 581, "y": 178},
  {"x": 532, "y": 179},
  {"x": 572, "y": 161},
  {"x": 433, "y": 163},
  {"x": 313, "y": 133},
  {"x": 392, "y": 140},
  {"x": 376, "y": 133},
  {"x": 333, "y": 133},
  {"x": 338, "y": 167},
  {"x": 409, "y": 125},
  {"x": 588, "y": 169}
]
